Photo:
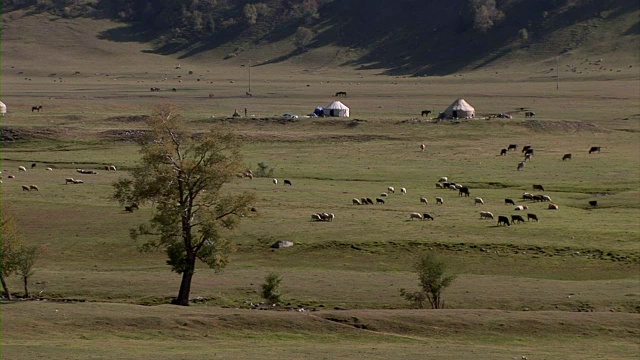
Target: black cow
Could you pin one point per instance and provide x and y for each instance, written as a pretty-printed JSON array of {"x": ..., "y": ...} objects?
[
  {"x": 503, "y": 220},
  {"x": 532, "y": 217},
  {"x": 36, "y": 108},
  {"x": 503, "y": 152},
  {"x": 369, "y": 201},
  {"x": 529, "y": 114},
  {"x": 464, "y": 191},
  {"x": 341, "y": 93},
  {"x": 593, "y": 203},
  {"x": 287, "y": 182},
  {"x": 529, "y": 151},
  {"x": 512, "y": 147},
  {"x": 33, "y": 165},
  {"x": 538, "y": 187},
  {"x": 594, "y": 149},
  {"x": 524, "y": 149},
  {"x": 509, "y": 202},
  {"x": 515, "y": 218},
  {"x": 379, "y": 201},
  {"x": 566, "y": 157}
]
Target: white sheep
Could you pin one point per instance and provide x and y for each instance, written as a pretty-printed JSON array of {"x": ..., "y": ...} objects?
[
  {"x": 331, "y": 217},
  {"x": 546, "y": 198},
  {"x": 112, "y": 168},
  {"x": 22, "y": 168},
  {"x": 521, "y": 208},
  {"x": 403, "y": 191},
  {"x": 78, "y": 181},
  {"x": 356, "y": 201},
  {"x": 452, "y": 187},
  {"x": 275, "y": 181},
  {"x": 415, "y": 215},
  {"x": 384, "y": 194},
  {"x": 423, "y": 200},
  {"x": 316, "y": 217},
  {"x": 422, "y": 147},
  {"x": 443, "y": 179},
  {"x": 33, "y": 187},
  {"x": 478, "y": 200},
  {"x": 439, "y": 200},
  {"x": 25, "y": 188},
  {"x": 439, "y": 185},
  {"x": 49, "y": 169},
  {"x": 391, "y": 189},
  {"x": 553, "y": 206},
  {"x": 68, "y": 180},
  {"x": 486, "y": 215}
]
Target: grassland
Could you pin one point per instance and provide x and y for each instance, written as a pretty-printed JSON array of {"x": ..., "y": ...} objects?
[{"x": 567, "y": 286}]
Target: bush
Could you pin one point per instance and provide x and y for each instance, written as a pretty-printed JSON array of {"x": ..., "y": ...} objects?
[
  {"x": 264, "y": 170},
  {"x": 271, "y": 289},
  {"x": 433, "y": 280}
]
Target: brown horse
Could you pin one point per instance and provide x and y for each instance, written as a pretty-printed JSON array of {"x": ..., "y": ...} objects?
[
  {"x": 425, "y": 113},
  {"x": 36, "y": 108}
]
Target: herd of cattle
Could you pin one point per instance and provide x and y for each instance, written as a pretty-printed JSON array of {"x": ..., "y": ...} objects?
[{"x": 463, "y": 191}]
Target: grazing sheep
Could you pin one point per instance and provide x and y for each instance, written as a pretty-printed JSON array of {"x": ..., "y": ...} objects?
[
  {"x": 503, "y": 220},
  {"x": 553, "y": 206},
  {"x": 439, "y": 186},
  {"x": 538, "y": 187},
  {"x": 527, "y": 196},
  {"x": 478, "y": 201},
  {"x": 516, "y": 218},
  {"x": 486, "y": 215},
  {"x": 25, "y": 188},
  {"x": 112, "y": 168},
  {"x": 453, "y": 187},
  {"x": 503, "y": 152},
  {"x": 532, "y": 217},
  {"x": 593, "y": 203},
  {"x": 33, "y": 187},
  {"x": 566, "y": 157},
  {"x": 546, "y": 198},
  {"x": 384, "y": 194},
  {"x": 356, "y": 201},
  {"x": 331, "y": 217},
  {"x": 520, "y": 165},
  {"x": 509, "y": 202},
  {"x": 11, "y": 176},
  {"x": 78, "y": 181},
  {"x": 424, "y": 200},
  {"x": 287, "y": 182},
  {"x": 49, "y": 169},
  {"x": 379, "y": 201},
  {"x": 443, "y": 179},
  {"x": 527, "y": 156},
  {"x": 439, "y": 200},
  {"x": 275, "y": 181},
  {"x": 538, "y": 198},
  {"x": 463, "y": 191},
  {"x": 22, "y": 168},
  {"x": 68, "y": 180},
  {"x": 521, "y": 208},
  {"x": 106, "y": 168},
  {"x": 391, "y": 189},
  {"x": 426, "y": 216},
  {"x": 403, "y": 191},
  {"x": 369, "y": 201},
  {"x": 363, "y": 201},
  {"x": 316, "y": 217},
  {"x": 422, "y": 147},
  {"x": 415, "y": 215},
  {"x": 594, "y": 149},
  {"x": 248, "y": 175}
]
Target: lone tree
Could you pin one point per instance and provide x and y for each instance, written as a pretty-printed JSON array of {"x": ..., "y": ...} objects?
[
  {"x": 182, "y": 176},
  {"x": 10, "y": 249},
  {"x": 433, "y": 280}
]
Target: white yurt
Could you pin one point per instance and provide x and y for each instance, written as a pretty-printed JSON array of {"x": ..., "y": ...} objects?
[
  {"x": 3, "y": 108},
  {"x": 336, "y": 108},
  {"x": 460, "y": 109}
]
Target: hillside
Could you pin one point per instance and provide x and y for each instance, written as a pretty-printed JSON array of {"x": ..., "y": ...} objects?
[{"x": 401, "y": 37}]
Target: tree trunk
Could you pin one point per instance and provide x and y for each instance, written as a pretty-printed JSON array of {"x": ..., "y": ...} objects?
[
  {"x": 25, "y": 279},
  {"x": 185, "y": 285},
  {"x": 4, "y": 287}
]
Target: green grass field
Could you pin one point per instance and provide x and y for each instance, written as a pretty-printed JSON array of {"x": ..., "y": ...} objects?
[{"x": 564, "y": 287}]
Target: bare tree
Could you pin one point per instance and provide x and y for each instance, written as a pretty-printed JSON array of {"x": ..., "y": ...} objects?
[{"x": 183, "y": 178}]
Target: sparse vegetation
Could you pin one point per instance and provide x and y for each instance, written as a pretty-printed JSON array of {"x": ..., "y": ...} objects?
[
  {"x": 264, "y": 170},
  {"x": 432, "y": 272}
]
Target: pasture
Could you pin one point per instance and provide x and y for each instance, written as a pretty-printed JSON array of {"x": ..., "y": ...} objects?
[{"x": 566, "y": 286}]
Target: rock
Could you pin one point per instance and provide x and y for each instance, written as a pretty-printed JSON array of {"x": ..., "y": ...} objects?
[{"x": 282, "y": 244}]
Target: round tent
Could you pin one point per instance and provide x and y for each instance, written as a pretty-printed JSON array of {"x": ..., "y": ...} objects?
[
  {"x": 460, "y": 109},
  {"x": 3, "y": 108},
  {"x": 336, "y": 108}
]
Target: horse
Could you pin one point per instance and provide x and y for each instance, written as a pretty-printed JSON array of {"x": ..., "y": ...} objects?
[
  {"x": 425, "y": 113},
  {"x": 36, "y": 108},
  {"x": 529, "y": 114}
]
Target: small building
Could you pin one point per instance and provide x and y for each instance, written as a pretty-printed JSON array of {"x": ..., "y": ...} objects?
[
  {"x": 460, "y": 109},
  {"x": 3, "y": 108},
  {"x": 336, "y": 108}
]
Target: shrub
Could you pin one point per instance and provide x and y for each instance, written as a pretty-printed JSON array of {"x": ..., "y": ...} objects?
[
  {"x": 271, "y": 288},
  {"x": 433, "y": 280}
]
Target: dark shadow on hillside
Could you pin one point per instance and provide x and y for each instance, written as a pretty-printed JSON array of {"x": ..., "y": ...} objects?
[{"x": 129, "y": 33}]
